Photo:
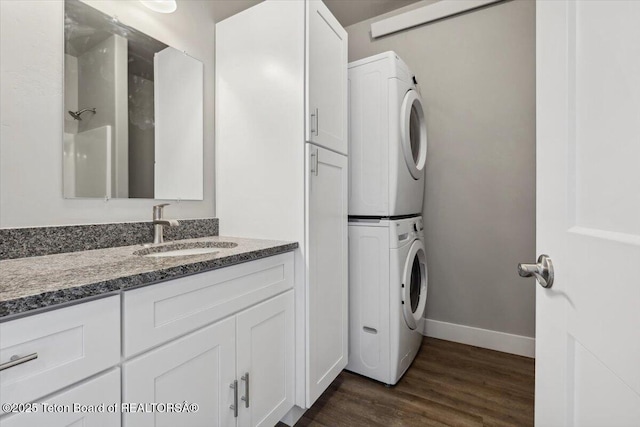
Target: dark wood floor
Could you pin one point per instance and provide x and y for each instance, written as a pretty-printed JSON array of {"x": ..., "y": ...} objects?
[{"x": 449, "y": 384}]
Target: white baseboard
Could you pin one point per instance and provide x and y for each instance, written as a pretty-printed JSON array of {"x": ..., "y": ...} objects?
[{"x": 485, "y": 338}]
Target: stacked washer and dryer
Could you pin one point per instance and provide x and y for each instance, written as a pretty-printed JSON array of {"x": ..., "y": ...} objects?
[{"x": 387, "y": 266}]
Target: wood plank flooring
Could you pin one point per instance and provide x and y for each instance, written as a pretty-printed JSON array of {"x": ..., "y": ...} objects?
[{"x": 448, "y": 384}]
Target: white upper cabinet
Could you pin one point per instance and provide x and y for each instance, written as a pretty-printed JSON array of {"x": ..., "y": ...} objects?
[
  {"x": 326, "y": 75},
  {"x": 327, "y": 297}
]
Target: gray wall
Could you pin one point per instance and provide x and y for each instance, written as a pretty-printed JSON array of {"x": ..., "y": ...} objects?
[
  {"x": 477, "y": 77},
  {"x": 31, "y": 110}
]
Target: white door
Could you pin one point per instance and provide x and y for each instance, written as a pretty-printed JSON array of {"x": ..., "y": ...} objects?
[
  {"x": 326, "y": 80},
  {"x": 413, "y": 133},
  {"x": 198, "y": 368},
  {"x": 414, "y": 286},
  {"x": 266, "y": 366},
  {"x": 327, "y": 253},
  {"x": 588, "y": 213}
]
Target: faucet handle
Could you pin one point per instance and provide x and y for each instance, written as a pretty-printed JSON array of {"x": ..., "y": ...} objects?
[{"x": 157, "y": 210}]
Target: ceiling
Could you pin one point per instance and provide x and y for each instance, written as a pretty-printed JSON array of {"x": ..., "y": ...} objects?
[
  {"x": 346, "y": 11},
  {"x": 349, "y": 12}
]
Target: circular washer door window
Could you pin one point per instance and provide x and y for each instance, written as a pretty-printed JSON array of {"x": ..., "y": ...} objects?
[
  {"x": 413, "y": 132},
  {"x": 414, "y": 285}
]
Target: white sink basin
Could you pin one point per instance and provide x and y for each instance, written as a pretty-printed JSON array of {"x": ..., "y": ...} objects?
[
  {"x": 184, "y": 249},
  {"x": 183, "y": 252}
]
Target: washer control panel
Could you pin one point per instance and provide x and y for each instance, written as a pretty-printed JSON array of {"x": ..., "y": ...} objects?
[{"x": 405, "y": 231}]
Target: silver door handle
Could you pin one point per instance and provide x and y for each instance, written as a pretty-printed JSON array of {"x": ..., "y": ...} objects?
[
  {"x": 314, "y": 163},
  {"x": 17, "y": 360},
  {"x": 245, "y": 398},
  {"x": 314, "y": 121},
  {"x": 234, "y": 407},
  {"x": 542, "y": 271}
]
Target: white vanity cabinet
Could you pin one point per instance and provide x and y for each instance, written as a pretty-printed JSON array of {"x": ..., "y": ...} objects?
[
  {"x": 240, "y": 368},
  {"x": 239, "y": 326},
  {"x": 281, "y": 162},
  {"x": 223, "y": 340}
]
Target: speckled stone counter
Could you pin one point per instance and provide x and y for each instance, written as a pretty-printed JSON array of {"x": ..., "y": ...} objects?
[{"x": 41, "y": 282}]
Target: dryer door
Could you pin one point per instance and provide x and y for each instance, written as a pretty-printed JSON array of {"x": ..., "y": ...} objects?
[
  {"x": 413, "y": 132},
  {"x": 414, "y": 285}
]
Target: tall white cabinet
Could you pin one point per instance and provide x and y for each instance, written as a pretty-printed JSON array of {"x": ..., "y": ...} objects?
[
  {"x": 281, "y": 163},
  {"x": 327, "y": 291}
]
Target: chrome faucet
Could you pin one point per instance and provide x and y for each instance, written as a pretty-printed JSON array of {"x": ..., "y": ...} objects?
[{"x": 159, "y": 223}]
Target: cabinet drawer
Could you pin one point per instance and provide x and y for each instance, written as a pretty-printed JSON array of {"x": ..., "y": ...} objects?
[
  {"x": 71, "y": 344},
  {"x": 104, "y": 389},
  {"x": 159, "y": 313}
]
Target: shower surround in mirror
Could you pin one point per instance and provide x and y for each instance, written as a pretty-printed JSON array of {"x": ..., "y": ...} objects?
[{"x": 133, "y": 112}]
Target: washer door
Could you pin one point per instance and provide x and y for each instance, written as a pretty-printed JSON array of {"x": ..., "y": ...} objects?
[
  {"x": 413, "y": 132},
  {"x": 414, "y": 285}
]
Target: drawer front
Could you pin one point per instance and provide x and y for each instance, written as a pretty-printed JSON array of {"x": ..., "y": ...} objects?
[
  {"x": 71, "y": 344},
  {"x": 159, "y": 313},
  {"x": 104, "y": 389}
]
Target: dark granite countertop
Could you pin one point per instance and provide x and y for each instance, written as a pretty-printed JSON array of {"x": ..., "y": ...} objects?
[{"x": 41, "y": 282}]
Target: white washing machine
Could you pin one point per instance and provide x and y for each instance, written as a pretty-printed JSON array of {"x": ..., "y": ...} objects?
[
  {"x": 387, "y": 296},
  {"x": 387, "y": 138}
]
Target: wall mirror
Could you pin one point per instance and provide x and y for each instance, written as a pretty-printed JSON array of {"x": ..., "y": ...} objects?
[{"x": 133, "y": 112}]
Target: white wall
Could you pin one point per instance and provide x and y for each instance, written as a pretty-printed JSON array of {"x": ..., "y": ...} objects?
[
  {"x": 477, "y": 76},
  {"x": 31, "y": 110}
]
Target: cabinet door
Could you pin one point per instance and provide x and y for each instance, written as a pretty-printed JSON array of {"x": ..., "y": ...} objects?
[
  {"x": 198, "y": 368},
  {"x": 327, "y": 293},
  {"x": 266, "y": 366},
  {"x": 103, "y": 390},
  {"x": 326, "y": 79}
]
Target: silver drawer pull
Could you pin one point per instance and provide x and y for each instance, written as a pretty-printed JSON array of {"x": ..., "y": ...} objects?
[{"x": 16, "y": 360}]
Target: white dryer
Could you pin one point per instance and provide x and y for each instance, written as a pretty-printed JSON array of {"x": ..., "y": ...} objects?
[
  {"x": 387, "y": 296},
  {"x": 387, "y": 138}
]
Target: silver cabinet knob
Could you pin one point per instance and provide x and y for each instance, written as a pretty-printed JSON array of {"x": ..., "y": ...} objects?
[{"x": 542, "y": 271}]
